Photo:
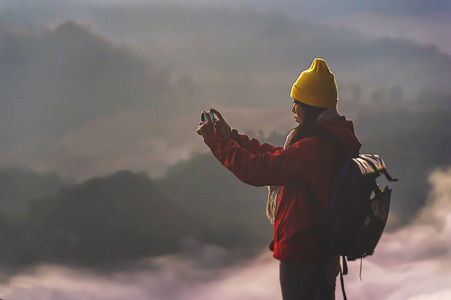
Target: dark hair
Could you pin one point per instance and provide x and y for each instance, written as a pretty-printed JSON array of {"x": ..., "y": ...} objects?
[{"x": 307, "y": 127}]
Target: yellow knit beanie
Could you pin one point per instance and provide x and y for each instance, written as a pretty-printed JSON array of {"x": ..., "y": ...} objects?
[{"x": 316, "y": 86}]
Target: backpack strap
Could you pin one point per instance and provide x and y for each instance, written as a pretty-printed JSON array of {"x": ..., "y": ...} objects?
[
  {"x": 389, "y": 177},
  {"x": 343, "y": 272}
]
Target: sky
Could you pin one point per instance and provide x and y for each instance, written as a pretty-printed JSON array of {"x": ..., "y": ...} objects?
[
  {"x": 420, "y": 20},
  {"x": 423, "y": 21}
]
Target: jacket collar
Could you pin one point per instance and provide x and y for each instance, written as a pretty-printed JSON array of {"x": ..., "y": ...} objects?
[{"x": 326, "y": 115}]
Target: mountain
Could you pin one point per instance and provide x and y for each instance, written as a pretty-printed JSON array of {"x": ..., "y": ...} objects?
[{"x": 99, "y": 223}]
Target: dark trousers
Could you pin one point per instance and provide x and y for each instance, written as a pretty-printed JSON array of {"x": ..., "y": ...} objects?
[{"x": 300, "y": 281}]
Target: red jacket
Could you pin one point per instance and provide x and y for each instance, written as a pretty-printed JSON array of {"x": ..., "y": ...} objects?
[{"x": 311, "y": 159}]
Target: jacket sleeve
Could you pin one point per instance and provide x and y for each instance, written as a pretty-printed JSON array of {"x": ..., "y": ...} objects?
[
  {"x": 253, "y": 145},
  {"x": 265, "y": 168}
]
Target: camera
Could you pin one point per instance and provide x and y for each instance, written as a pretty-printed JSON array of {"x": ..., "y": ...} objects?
[{"x": 203, "y": 118}]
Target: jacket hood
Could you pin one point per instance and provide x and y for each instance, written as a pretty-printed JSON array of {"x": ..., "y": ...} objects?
[{"x": 343, "y": 131}]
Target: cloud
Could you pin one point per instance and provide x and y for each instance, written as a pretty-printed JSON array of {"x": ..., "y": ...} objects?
[
  {"x": 262, "y": 61},
  {"x": 429, "y": 231},
  {"x": 77, "y": 103},
  {"x": 406, "y": 265},
  {"x": 63, "y": 110},
  {"x": 162, "y": 278},
  {"x": 56, "y": 81},
  {"x": 428, "y": 29}
]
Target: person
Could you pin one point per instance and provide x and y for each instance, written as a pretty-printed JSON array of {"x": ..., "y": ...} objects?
[{"x": 307, "y": 159}]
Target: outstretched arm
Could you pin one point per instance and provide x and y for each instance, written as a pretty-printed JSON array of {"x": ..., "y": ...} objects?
[
  {"x": 252, "y": 144},
  {"x": 277, "y": 168}
]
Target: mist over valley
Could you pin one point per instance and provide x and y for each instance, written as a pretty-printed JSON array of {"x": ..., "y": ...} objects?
[{"x": 103, "y": 177}]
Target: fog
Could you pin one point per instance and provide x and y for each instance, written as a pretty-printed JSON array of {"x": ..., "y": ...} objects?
[
  {"x": 412, "y": 263},
  {"x": 101, "y": 93},
  {"x": 107, "y": 192}
]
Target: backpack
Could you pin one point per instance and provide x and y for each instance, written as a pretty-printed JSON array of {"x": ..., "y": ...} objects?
[
  {"x": 358, "y": 210},
  {"x": 357, "y": 214}
]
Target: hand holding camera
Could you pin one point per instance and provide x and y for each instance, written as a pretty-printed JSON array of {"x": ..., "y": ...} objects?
[
  {"x": 222, "y": 128},
  {"x": 209, "y": 125}
]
